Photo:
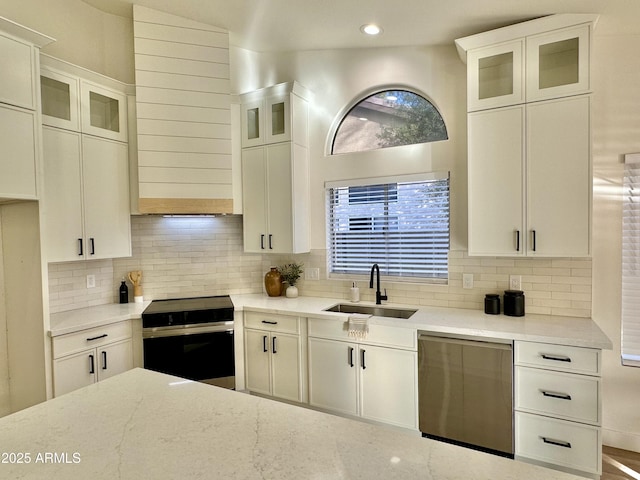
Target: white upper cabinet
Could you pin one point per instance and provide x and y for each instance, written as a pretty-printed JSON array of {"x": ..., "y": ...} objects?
[
  {"x": 19, "y": 119},
  {"x": 60, "y": 99},
  {"x": 558, "y": 63},
  {"x": 103, "y": 111},
  {"x": 74, "y": 103},
  {"x": 275, "y": 169},
  {"x": 537, "y": 60},
  {"x": 495, "y": 76},
  {"x": 275, "y": 114}
]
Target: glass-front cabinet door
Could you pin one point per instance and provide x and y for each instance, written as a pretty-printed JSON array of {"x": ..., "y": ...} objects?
[
  {"x": 558, "y": 63},
  {"x": 278, "y": 119},
  {"x": 253, "y": 124},
  {"x": 495, "y": 76},
  {"x": 60, "y": 105},
  {"x": 103, "y": 112}
]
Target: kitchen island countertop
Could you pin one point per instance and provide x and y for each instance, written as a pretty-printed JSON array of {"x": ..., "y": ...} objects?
[{"x": 146, "y": 425}]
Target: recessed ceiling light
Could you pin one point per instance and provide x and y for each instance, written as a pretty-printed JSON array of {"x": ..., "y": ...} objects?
[{"x": 371, "y": 29}]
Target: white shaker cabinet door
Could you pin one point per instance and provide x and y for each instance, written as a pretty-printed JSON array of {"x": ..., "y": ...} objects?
[
  {"x": 333, "y": 375},
  {"x": 106, "y": 198},
  {"x": 18, "y": 165},
  {"x": 254, "y": 199},
  {"x": 286, "y": 363},
  {"x": 63, "y": 194},
  {"x": 114, "y": 359},
  {"x": 257, "y": 361},
  {"x": 388, "y": 385},
  {"x": 75, "y": 371},
  {"x": 496, "y": 182},
  {"x": 559, "y": 177},
  {"x": 280, "y": 198}
]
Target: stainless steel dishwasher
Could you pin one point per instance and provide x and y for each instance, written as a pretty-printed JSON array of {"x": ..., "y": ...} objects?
[{"x": 465, "y": 390}]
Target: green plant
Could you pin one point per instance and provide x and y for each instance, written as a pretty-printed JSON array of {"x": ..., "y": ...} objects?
[{"x": 291, "y": 272}]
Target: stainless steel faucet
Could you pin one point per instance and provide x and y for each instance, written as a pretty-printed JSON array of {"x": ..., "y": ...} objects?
[{"x": 379, "y": 296}]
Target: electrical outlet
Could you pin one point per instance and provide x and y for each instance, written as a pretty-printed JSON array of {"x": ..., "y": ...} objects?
[
  {"x": 515, "y": 282},
  {"x": 91, "y": 281},
  {"x": 312, "y": 274},
  {"x": 467, "y": 280}
]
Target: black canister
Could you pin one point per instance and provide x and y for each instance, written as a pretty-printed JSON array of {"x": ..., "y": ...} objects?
[
  {"x": 492, "y": 304},
  {"x": 514, "y": 303},
  {"x": 124, "y": 292}
]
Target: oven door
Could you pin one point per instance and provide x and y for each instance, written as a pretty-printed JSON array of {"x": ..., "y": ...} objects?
[{"x": 203, "y": 353}]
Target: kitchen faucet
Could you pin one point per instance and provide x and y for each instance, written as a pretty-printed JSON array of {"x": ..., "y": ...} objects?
[{"x": 379, "y": 296}]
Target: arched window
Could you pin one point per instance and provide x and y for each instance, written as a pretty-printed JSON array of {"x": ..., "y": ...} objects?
[{"x": 389, "y": 119}]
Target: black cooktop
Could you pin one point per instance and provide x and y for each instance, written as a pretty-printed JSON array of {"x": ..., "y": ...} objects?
[{"x": 187, "y": 311}]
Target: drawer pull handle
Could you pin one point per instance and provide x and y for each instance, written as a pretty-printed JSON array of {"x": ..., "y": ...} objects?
[
  {"x": 104, "y": 335},
  {"x": 556, "y": 358},
  {"x": 561, "y": 396},
  {"x": 558, "y": 443},
  {"x": 269, "y": 323}
]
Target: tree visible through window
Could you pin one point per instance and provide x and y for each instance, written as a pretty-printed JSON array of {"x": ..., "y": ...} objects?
[{"x": 389, "y": 119}]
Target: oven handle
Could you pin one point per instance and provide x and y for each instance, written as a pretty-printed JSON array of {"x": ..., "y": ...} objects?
[{"x": 178, "y": 332}]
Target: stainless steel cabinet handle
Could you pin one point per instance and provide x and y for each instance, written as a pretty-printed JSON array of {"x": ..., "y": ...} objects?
[
  {"x": 559, "y": 443},
  {"x": 561, "y": 396},
  {"x": 555, "y": 358}
]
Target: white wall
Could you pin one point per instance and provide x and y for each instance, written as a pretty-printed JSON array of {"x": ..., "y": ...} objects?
[
  {"x": 84, "y": 35},
  {"x": 616, "y": 131}
]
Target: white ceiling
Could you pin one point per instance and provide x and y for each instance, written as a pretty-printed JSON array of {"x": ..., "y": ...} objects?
[{"x": 284, "y": 25}]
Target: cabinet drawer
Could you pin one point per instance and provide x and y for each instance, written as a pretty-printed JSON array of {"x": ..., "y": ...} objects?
[
  {"x": 383, "y": 335},
  {"x": 558, "y": 357},
  {"x": 90, "y": 338},
  {"x": 272, "y": 322},
  {"x": 563, "y": 443},
  {"x": 565, "y": 395}
]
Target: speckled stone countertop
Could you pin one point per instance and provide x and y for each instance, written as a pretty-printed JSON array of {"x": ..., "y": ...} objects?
[
  {"x": 146, "y": 425},
  {"x": 581, "y": 332}
]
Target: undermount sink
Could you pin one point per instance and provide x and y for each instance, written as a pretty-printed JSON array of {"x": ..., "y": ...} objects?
[{"x": 371, "y": 310}]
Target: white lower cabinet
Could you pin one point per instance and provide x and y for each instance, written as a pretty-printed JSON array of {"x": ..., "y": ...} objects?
[
  {"x": 558, "y": 406},
  {"x": 357, "y": 378},
  {"x": 274, "y": 356},
  {"x": 91, "y": 355}
]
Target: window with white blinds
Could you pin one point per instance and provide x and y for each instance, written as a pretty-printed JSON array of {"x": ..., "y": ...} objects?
[
  {"x": 400, "y": 223},
  {"x": 631, "y": 262}
]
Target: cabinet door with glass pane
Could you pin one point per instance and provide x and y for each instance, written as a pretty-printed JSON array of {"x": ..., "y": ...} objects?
[
  {"x": 558, "y": 63},
  {"x": 278, "y": 119},
  {"x": 495, "y": 76},
  {"x": 60, "y": 102},
  {"x": 103, "y": 112}
]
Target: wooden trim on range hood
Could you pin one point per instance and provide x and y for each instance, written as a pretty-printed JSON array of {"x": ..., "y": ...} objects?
[{"x": 185, "y": 205}]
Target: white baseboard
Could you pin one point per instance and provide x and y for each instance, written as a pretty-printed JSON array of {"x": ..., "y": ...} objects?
[{"x": 623, "y": 440}]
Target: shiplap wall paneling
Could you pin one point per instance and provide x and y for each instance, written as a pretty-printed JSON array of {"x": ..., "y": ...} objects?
[{"x": 183, "y": 114}]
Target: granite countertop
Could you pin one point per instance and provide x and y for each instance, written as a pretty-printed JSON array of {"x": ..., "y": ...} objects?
[
  {"x": 147, "y": 425},
  {"x": 581, "y": 332}
]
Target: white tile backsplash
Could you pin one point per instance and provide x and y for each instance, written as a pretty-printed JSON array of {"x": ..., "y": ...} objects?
[{"x": 188, "y": 257}]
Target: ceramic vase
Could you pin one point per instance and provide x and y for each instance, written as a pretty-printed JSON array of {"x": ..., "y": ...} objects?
[
  {"x": 292, "y": 291},
  {"x": 273, "y": 282}
]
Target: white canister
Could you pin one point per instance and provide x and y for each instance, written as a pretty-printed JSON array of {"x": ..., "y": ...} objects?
[{"x": 355, "y": 293}]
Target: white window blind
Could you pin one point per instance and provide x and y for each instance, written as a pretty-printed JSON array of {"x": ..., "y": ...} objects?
[
  {"x": 402, "y": 224},
  {"x": 631, "y": 262}
]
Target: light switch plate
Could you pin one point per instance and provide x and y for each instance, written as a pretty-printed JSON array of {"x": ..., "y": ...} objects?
[
  {"x": 312, "y": 274},
  {"x": 91, "y": 281},
  {"x": 515, "y": 282},
  {"x": 467, "y": 280}
]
